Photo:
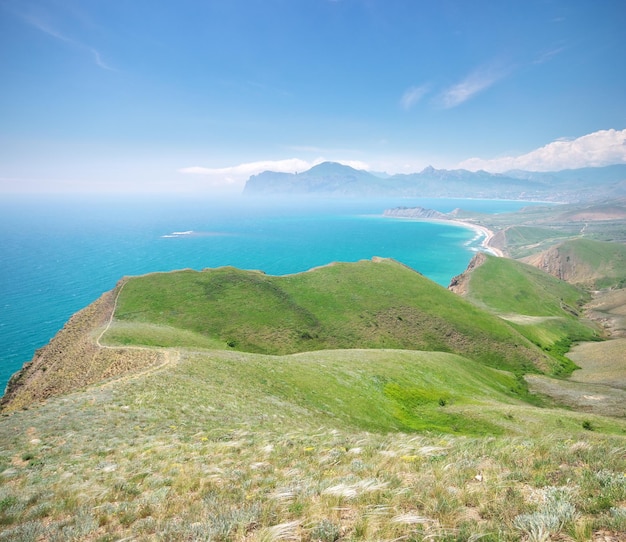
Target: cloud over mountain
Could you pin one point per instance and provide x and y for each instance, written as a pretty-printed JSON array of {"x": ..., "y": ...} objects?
[
  {"x": 237, "y": 175},
  {"x": 601, "y": 148}
]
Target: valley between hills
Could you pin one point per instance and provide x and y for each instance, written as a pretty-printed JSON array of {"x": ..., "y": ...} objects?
[{"x": 356, "y": 401}]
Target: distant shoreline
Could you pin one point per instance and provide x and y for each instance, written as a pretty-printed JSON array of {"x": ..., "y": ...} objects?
[{"x": 480, "y": 230}]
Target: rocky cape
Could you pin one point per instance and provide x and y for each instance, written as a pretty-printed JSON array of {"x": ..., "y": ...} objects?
[{"x": 416, "y": 212}]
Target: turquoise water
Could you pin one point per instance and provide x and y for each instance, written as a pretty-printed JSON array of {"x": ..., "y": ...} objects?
[{"x": 58, "y": 255}]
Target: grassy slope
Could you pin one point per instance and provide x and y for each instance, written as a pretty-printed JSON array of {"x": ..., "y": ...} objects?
[
  {"x": 237, "y": 446},
  {"x": 541, "y": 307},
  {"x": 353, "y": 444},
  {"x": 380, "y": 304},
  {"x": 524, "y": 240},
  {"x": 373, "y": 390}
]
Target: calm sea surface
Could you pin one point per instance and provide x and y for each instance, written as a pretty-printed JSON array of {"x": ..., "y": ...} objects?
[{"x": 58, "y": 255}]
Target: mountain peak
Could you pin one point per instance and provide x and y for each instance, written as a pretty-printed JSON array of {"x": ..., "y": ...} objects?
[{"x": 326, "y": 168}]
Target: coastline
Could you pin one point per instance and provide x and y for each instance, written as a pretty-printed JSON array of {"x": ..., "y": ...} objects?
[{"x": 481, "y": 231}]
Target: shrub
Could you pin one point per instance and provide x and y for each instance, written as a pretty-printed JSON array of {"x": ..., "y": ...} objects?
[{"x": 325, "y": 531}]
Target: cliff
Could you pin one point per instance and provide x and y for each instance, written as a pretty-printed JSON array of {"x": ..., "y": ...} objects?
[{"x": 73, "y": 359}]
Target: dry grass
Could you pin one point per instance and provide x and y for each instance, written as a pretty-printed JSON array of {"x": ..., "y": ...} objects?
[
  {"x": 583, "y": 396},
  {"x": 164, "y": 457},
  {"x": 73, "y": 359},
  {"x": 600, "y": 363}
]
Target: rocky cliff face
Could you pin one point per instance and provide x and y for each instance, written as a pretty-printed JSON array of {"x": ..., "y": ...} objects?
[
  {"x": 553, "y": 262},
  {"x": 459, "y": 284},
  {"x": 584, "y": 262}
]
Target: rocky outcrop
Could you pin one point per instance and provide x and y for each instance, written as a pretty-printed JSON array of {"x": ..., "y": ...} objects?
[
  {"x": 415, "y": 212},
  {"x": 552, "y": 261},
  {"x": 459, "y": 284}
]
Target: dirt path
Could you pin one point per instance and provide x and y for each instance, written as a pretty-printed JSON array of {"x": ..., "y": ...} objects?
[
  {"x": 169, "y": 356},
  {"x": 524, "y": 319},
  {"x": 110, "y": 320}
]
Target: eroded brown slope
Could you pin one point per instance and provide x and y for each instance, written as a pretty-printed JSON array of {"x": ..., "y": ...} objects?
[
  {"x": 73, "y": 359},
  {"x": 584, "y": 262},
  {"x": 559, "y": 264}
]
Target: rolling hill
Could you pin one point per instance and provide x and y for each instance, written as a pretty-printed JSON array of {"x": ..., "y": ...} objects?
[
  {"x": 370, "y": 304},
  {"x": 541, "y": 307},
  {"x": 351, "y": 402}
]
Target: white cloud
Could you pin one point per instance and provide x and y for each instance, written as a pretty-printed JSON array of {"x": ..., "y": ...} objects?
[
  {"x": 42, "y": 25},
  {"x": 601, "y": 148},
  {"x": 235, "y": 175},
  {"x": 99, "y": 62},
  {"x": 549, "y": 55},
  {"x": 475, "y": 82},
  {"x": 251, "y": 168},
  {"x": 412, "y": 96}
]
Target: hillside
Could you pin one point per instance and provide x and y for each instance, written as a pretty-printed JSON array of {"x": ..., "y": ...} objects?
[
  {"x": 542, "y": 308},
  {"x": 585, "y": 262},
  {"x": 351, "y": 402},
  {"x": 333, "y": 445},
  {"x": 370, "y": 304}
]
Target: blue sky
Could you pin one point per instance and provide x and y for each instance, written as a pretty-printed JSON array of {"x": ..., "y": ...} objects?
[{"x": 189, "y": 95}]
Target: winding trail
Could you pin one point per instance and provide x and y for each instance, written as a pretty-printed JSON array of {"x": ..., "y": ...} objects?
[
  {"x": 170, "y": 356},
  {"x": 110, "y": 321}
]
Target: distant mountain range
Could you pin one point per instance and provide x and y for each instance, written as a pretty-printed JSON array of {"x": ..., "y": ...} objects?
[{"x": 333, "y": 179}]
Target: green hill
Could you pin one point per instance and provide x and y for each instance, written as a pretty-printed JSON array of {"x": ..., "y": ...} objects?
[
  {"x": 521, "y": 241},
  {"x": 543, "y": 308},
  {"x": 370, "y": 304}
]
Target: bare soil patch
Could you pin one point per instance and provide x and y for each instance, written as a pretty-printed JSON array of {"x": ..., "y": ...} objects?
[
  {"x": 593, "y": 398},
  {"x": 608, "y": 308},
  {"x": 600, "y": 363}
]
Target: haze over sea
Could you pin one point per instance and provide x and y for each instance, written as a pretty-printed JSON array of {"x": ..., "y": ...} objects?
[{"x": 60, "y": 254}]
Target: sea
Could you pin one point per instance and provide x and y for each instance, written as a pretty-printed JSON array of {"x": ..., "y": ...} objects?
[{"x": 58, "y": 254}]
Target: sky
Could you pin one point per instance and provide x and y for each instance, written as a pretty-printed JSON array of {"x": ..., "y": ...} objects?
[{"x": 194, "y": 96}]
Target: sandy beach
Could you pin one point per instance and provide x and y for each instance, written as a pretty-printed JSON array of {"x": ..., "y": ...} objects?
[
  {"x": 486, "y": 233},
  {"x": 480, "y": 230}
]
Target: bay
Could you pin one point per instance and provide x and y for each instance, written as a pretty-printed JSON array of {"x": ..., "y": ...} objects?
[{"x": 60, "y": 254}]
